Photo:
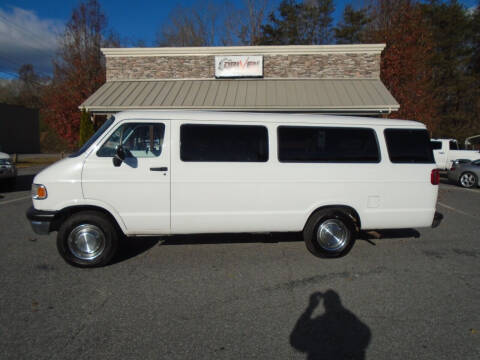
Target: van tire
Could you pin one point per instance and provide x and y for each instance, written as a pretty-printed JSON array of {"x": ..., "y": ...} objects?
[
  {"x": 330, "y": 219},
  {"x": 90, "y": 228}
]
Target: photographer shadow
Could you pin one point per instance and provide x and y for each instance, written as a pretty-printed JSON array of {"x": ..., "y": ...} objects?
[{"x": 336, "y": 334}]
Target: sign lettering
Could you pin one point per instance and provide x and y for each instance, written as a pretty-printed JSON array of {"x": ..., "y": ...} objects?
[{"x": 238, "y": 66}]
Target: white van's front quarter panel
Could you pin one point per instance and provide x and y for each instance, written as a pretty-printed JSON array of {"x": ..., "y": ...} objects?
[{"x": 63, "y": 182}]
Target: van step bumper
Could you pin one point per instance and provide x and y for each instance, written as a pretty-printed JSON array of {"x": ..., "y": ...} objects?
[
  {"x": 437, "y": 219},
  {"x": 40, "y": 220}
]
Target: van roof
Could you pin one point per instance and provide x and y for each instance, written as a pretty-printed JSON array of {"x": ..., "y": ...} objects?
[{"x": 264, "y": 117}]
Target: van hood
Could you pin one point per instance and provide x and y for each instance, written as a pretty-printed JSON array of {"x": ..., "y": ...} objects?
[{"x": 67, "y": 169}]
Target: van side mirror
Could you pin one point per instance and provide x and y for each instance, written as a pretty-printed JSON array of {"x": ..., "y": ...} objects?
[{"x": 119, "y": 156}]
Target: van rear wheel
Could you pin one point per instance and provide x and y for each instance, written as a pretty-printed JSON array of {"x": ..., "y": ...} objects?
[
  {"x": 329, "y": 233},
  {"x": 87, "y": 239}
]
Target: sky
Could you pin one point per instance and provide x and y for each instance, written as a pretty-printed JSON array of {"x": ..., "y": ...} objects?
[{"x": 29, "y": 28}]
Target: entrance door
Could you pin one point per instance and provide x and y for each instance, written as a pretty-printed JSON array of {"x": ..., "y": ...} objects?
[{"x": 138, "y": 189}]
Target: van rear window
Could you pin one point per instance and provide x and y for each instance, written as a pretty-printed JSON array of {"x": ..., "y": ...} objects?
[
  {"x": 327, "y": 144},
  {"x": 409, "y": 146},
  {"x": 223, "y": 143}
]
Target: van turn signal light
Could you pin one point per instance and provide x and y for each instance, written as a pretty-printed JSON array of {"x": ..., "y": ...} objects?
[{"x": 39, "y": 192}]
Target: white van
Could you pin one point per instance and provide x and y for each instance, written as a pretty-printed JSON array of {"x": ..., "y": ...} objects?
[{"x": 176, "y": 172}]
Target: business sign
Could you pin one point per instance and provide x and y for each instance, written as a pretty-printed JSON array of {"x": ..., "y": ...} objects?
[{"x": 238, "y": 66}]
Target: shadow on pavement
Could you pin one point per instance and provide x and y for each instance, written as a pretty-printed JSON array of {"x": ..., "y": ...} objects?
[
  {"x": 335, "y": 334},
  {"x": 134, "y": 246},
  {"x": 131, "y": 247},
  {"x": 231, "y": 238},
  {"x": 388, "y": 234}
]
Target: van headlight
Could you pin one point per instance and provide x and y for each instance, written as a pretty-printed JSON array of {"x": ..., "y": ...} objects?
[{"x": 39, "y": 191}]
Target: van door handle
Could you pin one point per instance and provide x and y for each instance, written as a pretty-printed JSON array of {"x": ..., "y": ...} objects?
[{"x": 163, "y": 168}]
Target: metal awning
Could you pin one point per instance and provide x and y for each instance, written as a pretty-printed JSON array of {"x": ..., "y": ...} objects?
[{"x": 352, "y": 96}]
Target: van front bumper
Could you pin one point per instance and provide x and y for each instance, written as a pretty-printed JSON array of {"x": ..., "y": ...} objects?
[{"x": 40, "y": 220}]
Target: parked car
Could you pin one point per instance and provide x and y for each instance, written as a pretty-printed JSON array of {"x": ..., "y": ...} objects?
[
  {"x": 446, "y": 151},
  {"x": 219, "y": 172},
  {"x": 465, "y": 173},
  {"x": 8, "y": 170}
]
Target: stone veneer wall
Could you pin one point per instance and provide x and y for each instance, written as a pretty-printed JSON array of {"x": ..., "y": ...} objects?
[{"x": 342, "y": 66}]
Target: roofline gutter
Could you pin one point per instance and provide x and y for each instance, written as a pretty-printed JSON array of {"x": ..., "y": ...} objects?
[
  {"x": 245, "y": 50},
  {"x": 376, "y": 110}
]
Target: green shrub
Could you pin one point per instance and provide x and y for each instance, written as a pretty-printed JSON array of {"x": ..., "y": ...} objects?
[{"x": 86, "y": 128}]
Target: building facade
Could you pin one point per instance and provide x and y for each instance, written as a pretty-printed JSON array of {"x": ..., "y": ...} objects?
[{"x": 339, "y": 79}]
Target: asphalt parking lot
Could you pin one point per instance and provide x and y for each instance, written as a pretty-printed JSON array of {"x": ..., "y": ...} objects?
[{"x": 410, "y": 294}]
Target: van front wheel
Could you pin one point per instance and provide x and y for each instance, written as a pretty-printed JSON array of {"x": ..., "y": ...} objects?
[
  {"x": 87, "y": 239},
  {"x": 329, "y": 233}
]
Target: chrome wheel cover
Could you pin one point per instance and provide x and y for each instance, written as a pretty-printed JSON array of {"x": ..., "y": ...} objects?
[
  {"x": 333, "y": 235},
  {"x": 467, "y": 180},
  {"x": 86, "y": 242}
]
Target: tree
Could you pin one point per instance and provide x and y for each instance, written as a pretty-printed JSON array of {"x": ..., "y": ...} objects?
[
  {"x": 9, "y": 91},
  {"x": 86, "y": 128},
  {"x": 213, "y": 24},
  {"x": 405, "y": 62},
  {"x": 190, "y": 26},
  {"x": 323, "y": 10},
  {"x": 31, "y": 86},
  {"x": 282, "y": 30},
  {"x": 26, "y": 90},
  {"x": 304, "y": 23},
  {"x": 455, "y": 86},
  {"x": 350, "y": 29},
  {"x": 80, "y": 70},
  {"x": 251, "y": 21},
  {"x": 475, "y": 64}
]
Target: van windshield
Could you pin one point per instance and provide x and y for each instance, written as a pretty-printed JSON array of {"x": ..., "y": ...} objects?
[{"x": 94, "y": 137}]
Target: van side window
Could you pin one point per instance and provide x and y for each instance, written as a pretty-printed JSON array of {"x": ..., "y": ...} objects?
[
  {"x": 223, "y": 143},
  {"x": 140, "y": 140},
  {"x": 327, "y": 144},
  {"x": 409, "y": 146},
  {"x": 436, "y": 145}
]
